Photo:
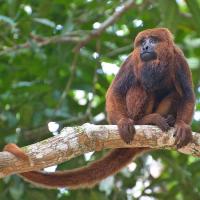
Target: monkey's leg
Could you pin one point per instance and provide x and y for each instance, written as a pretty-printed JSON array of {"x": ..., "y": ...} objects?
[
  {"x": 167, "y": 104},
  {"x": 154, "y": 119},
  {"x": 167, "y": 108},
  {"x": 162, "y": 117}
]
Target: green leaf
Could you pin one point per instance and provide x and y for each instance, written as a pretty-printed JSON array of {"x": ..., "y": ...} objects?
[
  {"x": 34, "y": 194},
  {"x": 169, "y": 13},
  {"x": 17, "y": 191},
  {"x": 194, "y": 7}
]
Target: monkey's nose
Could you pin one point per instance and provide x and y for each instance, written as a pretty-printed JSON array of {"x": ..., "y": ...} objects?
[{"x": 145, "y": 48}]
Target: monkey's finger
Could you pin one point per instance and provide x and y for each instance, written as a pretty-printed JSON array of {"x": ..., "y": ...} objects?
[
  {"x": 130, "y": 133},
  {"x": 182, "y": 139},
  {"x": 127, "y": 132},
  {"x": 186, "y": 137},
  {"x": 126, "y": 129},
  {"x": 131, "y": 129},
  {"x": 177, "y": 134},
  {"x": 163, "y": 125}
]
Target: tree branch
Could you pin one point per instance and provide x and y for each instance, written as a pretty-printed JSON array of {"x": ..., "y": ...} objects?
[
  {"x": 111, "y": 20},
  {"x": 74, "y": 38},
  {"x": 41, "y": 41},
  {"x": 75, "y": 141}
]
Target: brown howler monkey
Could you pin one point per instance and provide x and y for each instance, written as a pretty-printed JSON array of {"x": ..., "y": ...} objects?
[{"x": 153, "y": 86}]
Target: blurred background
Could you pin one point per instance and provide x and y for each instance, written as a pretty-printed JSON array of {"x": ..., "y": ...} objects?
[{"x": 46, "y": 83}]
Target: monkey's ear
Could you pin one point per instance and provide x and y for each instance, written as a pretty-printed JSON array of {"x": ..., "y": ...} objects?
[
  {"x": 183, "y": 78},
  {"x": 125, "y": 78}
]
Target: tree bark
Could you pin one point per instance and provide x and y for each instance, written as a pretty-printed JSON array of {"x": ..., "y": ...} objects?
[{"x": 75, "y": 141}]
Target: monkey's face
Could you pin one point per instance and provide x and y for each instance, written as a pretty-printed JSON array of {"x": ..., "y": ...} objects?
[
  {"x": 153, "y": 46},
  {"x": 147, "y": 48},
  {"x": 153, "y": 52}
]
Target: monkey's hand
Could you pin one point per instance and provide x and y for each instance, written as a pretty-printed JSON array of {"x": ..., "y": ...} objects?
[
  {"x": 183, "y": 134},
  {"x": 17, "y": 151},
  {"x": 126, "y": 129}
]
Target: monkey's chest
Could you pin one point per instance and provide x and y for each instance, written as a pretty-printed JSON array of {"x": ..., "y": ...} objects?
[{"x": 154, "y": 78}]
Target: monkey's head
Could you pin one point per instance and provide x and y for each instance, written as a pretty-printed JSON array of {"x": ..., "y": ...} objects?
[
  {"x": 153, "y": 44},
  {"x": 153, "y": 52}
]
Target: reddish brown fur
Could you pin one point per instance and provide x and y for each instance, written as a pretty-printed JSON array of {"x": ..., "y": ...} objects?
[
  {"x": 16, "y": 151},
  {"x": 129, "y": 101}
]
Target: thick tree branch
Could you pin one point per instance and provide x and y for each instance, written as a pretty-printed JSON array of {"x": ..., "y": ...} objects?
[{"x": 75, "y": 141}]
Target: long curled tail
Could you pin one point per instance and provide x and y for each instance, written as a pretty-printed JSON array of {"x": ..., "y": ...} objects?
[{"x": 85, "y": 176}]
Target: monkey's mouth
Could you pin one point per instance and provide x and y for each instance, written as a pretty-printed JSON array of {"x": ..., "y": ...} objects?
[{"x": 147, "y": 56}]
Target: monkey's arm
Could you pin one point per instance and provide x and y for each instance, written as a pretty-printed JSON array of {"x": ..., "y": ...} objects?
[
  {"x": 117, "y": 114},
  {"x": 185, "y": 107},
  {"x": 116, "y": 101},
  {"x": 115, "y": 106},
  {"x": 116, "y": 94}
]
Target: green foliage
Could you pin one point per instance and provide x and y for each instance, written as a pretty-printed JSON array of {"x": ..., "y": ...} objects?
[{"x": 43, "y": 79}]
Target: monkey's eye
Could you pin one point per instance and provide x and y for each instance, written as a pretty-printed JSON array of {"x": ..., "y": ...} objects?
[
  {"x": 142, "y": 41},
  {"x": 154, "y": 39}
]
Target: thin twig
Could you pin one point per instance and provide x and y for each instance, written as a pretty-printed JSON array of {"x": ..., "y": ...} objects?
[
  {"x": 73, "y": 37},
  {"x": 41, "y": 41},
  {"x": 95, "y": 79},
  {"x": 119, "y": 50},
  {"x": 70, "y": 80},
  {"x": 111, "y": 20}
]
